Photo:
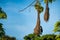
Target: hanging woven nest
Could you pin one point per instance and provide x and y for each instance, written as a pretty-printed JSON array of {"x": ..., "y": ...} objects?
[
  {"x": 38, "y": 30},
  {"x": 46, "y": 15}
]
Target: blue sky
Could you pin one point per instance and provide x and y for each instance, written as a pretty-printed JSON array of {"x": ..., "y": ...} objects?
[{"x": 18, "y": 24}]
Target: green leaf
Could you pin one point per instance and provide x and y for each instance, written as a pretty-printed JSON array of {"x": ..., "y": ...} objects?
[
  {"x": 49, "y": 1},
  {"x": 57, "y": 27},
  {"x": 2, "y": 14},
  {"x": 38, "y": 7},
  {"x": 45, "y": 1}
]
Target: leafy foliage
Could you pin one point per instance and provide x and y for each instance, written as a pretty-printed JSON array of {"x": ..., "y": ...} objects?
[
  {"x": 2, "y": 14},
  {"x": 3, "y": 36},
  {"x": 8, "y": 38},
  {"x": 58, "y": 37},
  {"x": 48, "y": 37},
  {"x": 50, "y": 1},
  {"x": 43, "y": 37},
  {"x": 38, "y": 7},
  {"x": 2, "y": 32},
  {"x": 31, "y": 37},
  {"x": 57, "y": 27}
]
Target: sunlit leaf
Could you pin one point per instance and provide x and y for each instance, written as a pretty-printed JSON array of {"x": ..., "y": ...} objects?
[
  {"x": 49, "y": 1},
  {"x": 57, "y": 27},
  {"x": 45, "y": 1},
  {"x": 2, "y": 14},
  {"x": 38, "y": 7}
]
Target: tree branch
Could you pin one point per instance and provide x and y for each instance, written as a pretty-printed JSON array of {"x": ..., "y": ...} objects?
[{"x": 27, "y": 6}]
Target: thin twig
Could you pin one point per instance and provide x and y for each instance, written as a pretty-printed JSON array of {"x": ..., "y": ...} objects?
[{"x": 27, "y": 6}]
